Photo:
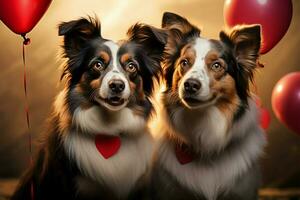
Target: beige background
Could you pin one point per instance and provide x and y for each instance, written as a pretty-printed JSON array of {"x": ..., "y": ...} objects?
[{"x": 281, "y": 164}]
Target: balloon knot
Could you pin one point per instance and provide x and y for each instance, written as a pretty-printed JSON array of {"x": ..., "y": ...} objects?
[
  {"x": 26, "y": 40},
  {"x": 261, "y": 65}
]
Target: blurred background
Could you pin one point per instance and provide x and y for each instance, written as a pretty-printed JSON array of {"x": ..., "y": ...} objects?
[{"x": 281, "y": 163}]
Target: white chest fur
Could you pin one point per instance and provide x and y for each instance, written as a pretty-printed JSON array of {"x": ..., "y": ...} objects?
[
  {"x": 220, "y": 175},
  {"x": 208, "y": 130},
  {"x": 119, "y": 172},
  {"x": 91, "y": 120}
]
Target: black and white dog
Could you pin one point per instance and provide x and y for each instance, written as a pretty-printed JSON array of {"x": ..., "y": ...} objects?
[
  {"x": 211, "y": 134},
  {"x": 98, "y": 145}
]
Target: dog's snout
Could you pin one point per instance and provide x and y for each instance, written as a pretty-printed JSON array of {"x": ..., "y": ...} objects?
[
  {"x": 192, "y": 86},
  {"x": 116, "y": 85}
]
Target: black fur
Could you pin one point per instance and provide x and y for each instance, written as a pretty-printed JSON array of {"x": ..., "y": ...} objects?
[
  {"x": 241, "y": 52},
  {"x": 150, "y": 46},
  {"x": 180, "y": 32},
  {"x": 53, "y": 173},
  {"x": 79, "y": 36}
]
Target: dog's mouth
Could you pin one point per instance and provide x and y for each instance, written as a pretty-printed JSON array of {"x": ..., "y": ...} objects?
[
  {"x": 193, "y": 102},
  {"x": 115, "y": 100}
]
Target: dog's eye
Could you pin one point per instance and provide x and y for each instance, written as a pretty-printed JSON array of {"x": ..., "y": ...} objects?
[
  {"x": 131, "y": 67},
  {"x": 99, "y": 66},
  {"x": 216, "y": 66},
  {"x": 184, "y": 63}
]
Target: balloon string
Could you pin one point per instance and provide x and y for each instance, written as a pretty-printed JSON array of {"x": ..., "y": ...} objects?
[{"x": 26, "y": 42}]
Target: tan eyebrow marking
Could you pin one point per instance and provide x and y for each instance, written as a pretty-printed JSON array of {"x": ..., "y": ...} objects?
[
  {"x": 188, "y": 49},
  {"x": 188, "y": 52},
  {"x": 105, "y": 56},
  {"x": 212, "y": 55},
  {"x": 125, "y": 57},
  {"x": 95, "y": 83}
]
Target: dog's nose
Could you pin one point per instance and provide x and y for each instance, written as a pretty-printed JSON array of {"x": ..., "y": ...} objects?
[
  {"x": 116, "y": 85},
  {"x": 192, "y": 86}
]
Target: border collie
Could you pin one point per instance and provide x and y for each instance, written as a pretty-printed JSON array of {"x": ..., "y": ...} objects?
[
  {"x": 211, "y": 138},
  {"x": 98, "y": 145}
]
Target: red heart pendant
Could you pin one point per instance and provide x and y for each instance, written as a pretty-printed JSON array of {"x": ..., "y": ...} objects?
[
  {"x": 107, "y": 145},
  {"x": 183, "y": 154}
]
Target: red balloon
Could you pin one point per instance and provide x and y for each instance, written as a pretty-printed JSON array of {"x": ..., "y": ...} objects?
[
  {"x": 273, "y": 15},
  {"x": 286, "y": 101},
  {"x": 21, "y": 16},
  {"x": 265, "y": 118}
]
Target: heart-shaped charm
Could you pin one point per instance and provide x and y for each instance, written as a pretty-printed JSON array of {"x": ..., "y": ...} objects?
[
  {"x": 107, "y": 145},
  {"x": 183, "y": 154}
]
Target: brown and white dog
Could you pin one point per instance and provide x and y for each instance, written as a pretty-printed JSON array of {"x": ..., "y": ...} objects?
[
  {"x": 98, "y": 145},
  {"x": 211, "y": 135}
]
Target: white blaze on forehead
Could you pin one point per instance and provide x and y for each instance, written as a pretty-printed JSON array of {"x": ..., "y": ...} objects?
[
  {"x": 202, "y": 47},
  {"x": 114, "y": 72},
  {"x": 113, "y": 47},
  {"x": 198, "y": 71}
]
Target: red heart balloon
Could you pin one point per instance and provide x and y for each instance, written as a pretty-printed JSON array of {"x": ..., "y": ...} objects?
[
  {"x": 265, "y": 118},
  {"x": 21, "y": 16},
  {"x": 273, "y": 15},
  {"x": 107, "y": 145},
  {"x": 286, "y": 101},
  {"x": 264, "y": 115}
]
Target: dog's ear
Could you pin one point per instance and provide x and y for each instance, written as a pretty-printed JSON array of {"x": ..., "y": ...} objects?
[
  {"x": 152, "y": 41},
  {"x": 178, "y": 24},
  {"x": 151, "y": 38},
  {"x": 245, "y": 42},
  {"x": 179, "y": 31},
  {"x": 77, "y": 32}
]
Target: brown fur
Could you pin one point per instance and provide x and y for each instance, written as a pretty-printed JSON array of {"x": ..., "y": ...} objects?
[{"x": 204, "y": 125}]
